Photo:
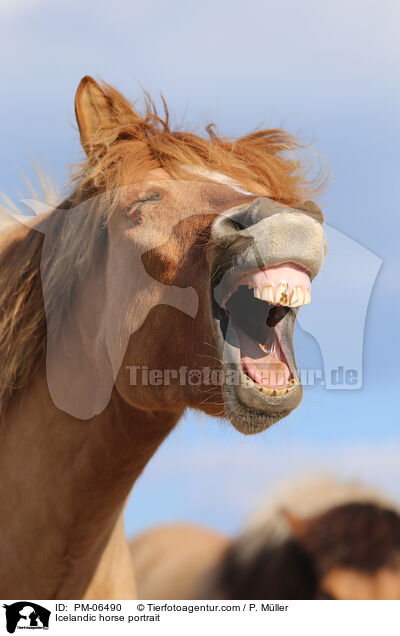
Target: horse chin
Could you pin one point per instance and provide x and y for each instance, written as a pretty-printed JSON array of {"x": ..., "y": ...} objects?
[
  {"x": 249, "y": 408},
  {"x": 250, "y": 414}
]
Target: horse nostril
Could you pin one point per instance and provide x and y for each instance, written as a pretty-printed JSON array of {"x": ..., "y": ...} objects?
[
  {"x": 236, "y": 225},
  {"x": 227, "y": 229},
  {"x": 244, "y": 217},
  {"x": 229, "y": 226}
]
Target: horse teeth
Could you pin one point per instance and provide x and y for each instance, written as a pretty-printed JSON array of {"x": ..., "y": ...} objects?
[
  {"x": 269, "y": 390},
  {"x": 286, "y": 284},
  {"x": 267, "y": 294},
  {"x": 294, "y": 298},
  {"x": 297, "y": 297},
  {"x": 282, "y": 296}
]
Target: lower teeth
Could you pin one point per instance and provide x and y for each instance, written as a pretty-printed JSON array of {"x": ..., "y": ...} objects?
[{"x": 270, "y": 391}]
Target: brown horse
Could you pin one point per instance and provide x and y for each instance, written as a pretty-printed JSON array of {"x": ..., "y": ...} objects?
[
  {"x": 344, "y": 544},
  {"x": 172, "y": 252}
]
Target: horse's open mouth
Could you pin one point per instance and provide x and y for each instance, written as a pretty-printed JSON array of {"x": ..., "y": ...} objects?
[{"x": 256, "y": 312}]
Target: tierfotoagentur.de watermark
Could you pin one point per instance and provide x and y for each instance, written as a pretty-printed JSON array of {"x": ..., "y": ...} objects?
[
  {"x": 142, "y": 375},
  {"x": 73, "y": 376}
]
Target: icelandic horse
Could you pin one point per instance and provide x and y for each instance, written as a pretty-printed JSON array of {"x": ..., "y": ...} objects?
[
  {"x": 172, "y": 253},
  {"x": 320, "y": 539}
]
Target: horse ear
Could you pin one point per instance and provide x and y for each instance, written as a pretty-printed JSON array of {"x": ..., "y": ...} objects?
[
  {"x": 93, "y": 109},
  {"x": 297, "y": 524}
]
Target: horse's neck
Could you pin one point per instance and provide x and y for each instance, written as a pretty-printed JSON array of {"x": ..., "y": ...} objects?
[{"x": 63, "y": 484}]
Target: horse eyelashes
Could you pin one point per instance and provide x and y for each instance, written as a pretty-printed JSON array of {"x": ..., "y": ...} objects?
[
  {"x": 139, "y": 203},
  {"x": 153, "y": 197}
]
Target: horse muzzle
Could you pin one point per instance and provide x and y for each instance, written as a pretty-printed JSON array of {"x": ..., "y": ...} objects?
[{"x": 264, "y": 257}]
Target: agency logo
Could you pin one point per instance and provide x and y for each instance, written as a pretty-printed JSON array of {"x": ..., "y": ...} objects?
[
  {"x": 26, "y": 615},
  {"x": 81, "y": 385}
]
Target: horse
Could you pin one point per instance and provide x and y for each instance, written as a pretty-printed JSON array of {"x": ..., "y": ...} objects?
[
  {"x": 319, "y": 540},
  {"x": 171, "y": 251}
]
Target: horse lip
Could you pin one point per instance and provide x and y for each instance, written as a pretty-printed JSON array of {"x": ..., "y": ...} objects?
[
  {"x": 254, "y": 428},
  {"x": 289, "y": 354},
  {"x": 255, "y": 414}
]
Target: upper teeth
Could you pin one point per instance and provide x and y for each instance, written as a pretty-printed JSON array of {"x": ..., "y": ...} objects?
[{"x": 281, "y": 294}]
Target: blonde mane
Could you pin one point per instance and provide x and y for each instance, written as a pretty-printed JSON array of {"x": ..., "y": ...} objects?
[{"x": 121, "y": 152}]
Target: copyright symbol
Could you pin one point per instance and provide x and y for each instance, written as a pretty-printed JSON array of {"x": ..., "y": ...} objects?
[{"x": 140, "y": 607}]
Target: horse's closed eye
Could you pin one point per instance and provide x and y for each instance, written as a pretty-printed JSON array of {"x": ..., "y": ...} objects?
[{"x": 139, "y": 203}]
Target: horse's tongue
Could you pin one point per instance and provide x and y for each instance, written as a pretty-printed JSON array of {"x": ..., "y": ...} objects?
[{"x": 268, "y": 369}]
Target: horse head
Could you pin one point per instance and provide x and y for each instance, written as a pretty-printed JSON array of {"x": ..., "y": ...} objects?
[{"x": 175, "y": 271}]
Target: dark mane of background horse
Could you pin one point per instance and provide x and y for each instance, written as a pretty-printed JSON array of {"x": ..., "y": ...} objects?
[
  {"x": 363, "y": 537},
  {"x": 314, "y": 538}
]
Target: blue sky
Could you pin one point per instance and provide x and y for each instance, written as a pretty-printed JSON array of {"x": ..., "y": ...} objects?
[{"x": 328, "y": 71}]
